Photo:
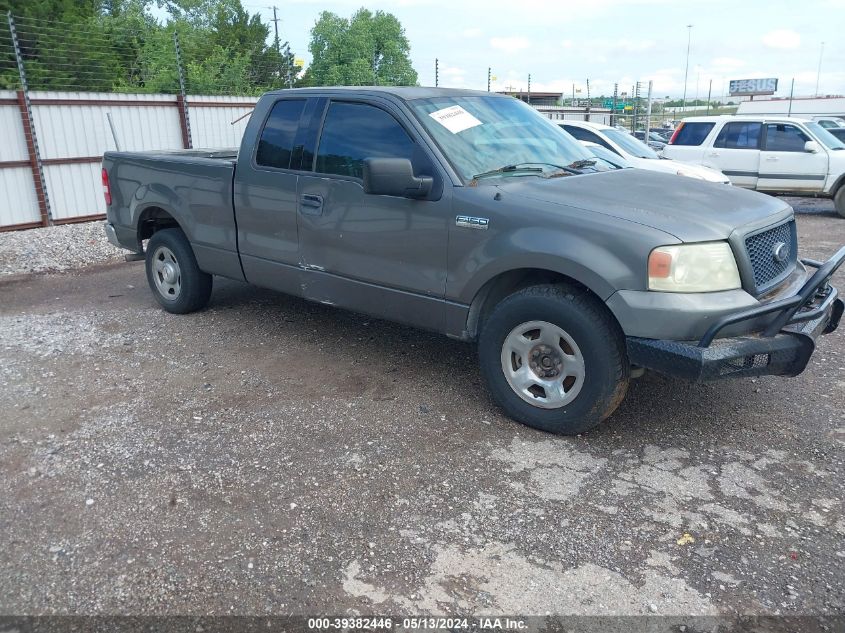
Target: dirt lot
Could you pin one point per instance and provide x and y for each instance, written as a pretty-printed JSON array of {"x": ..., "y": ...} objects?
[{"x": 268, "y": 455}]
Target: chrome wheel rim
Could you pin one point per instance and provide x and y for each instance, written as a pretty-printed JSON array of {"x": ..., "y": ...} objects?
[
  {"x": 543, "y": 364},
  {"x": 166, "y": 273}
]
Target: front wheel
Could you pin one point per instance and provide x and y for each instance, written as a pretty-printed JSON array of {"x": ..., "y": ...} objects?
[
  {"x": 176, "y": 280},
  {"x": 839, "y": 201},
  {"x": 554, "y": 359}
]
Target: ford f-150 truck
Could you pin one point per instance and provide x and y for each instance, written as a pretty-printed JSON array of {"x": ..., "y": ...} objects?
[{"x": 470, "y": 214}]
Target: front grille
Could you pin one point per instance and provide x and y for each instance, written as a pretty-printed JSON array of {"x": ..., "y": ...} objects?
[{"x": 767, "y": 270}]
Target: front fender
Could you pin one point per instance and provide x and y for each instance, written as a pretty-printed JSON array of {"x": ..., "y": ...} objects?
[{"x": 604, "y": 261}]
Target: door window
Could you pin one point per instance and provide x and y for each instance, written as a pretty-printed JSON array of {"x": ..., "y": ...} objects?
[
  {"x": 739, "y": 135},
  {"x": 355, "y": 131},
  {"x": 782, "y": 137},
  {"x": 275, "y": 145},
  {"x": 692, "y": 133}
]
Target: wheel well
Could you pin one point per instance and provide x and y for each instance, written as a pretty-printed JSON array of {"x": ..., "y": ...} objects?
[
  {"x": 154, "y": 219},
  {"x": 839, "y": 184},
  {"x": 505, "y": 284}
]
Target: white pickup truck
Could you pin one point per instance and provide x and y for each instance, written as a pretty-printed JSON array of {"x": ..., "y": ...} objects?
[{"x": 767, "y": 153}]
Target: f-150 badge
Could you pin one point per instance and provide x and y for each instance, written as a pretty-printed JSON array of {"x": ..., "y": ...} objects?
[{"x": 470, "y": 222}]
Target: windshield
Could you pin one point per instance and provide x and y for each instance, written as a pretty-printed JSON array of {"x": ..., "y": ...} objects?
[
  {"x": 629, "y": 144},
  {"x": 481, "y": 134},
  {"x": 825, "y": 138}
]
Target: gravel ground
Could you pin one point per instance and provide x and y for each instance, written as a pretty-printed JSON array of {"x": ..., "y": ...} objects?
[
  {"x": 55, "y": 249},
  {"x": 268, "y": 455}
]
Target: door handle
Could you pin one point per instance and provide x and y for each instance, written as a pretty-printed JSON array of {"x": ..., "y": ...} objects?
[
  {"x": 713, "y": 154},
  {"x": 311, "y": 204},
  {"x": 772, "y": 159}
]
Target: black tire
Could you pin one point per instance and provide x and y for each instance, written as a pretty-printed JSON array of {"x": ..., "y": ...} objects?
[
  {"x": 600, "y": 344},
  {"x": 190, "y": 289},
  {"x": 839, "y": 200}
]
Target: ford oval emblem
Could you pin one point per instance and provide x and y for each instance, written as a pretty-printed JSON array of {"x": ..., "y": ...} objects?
[{"x": 780, "y": 251}]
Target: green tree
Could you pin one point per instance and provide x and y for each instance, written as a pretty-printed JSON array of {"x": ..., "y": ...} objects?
[
  {"x": 118, "y": 45},
  {"x": 369, "y": 48}
]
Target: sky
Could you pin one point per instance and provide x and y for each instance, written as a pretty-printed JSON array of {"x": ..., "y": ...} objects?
[{"x": 563, "y": 43}]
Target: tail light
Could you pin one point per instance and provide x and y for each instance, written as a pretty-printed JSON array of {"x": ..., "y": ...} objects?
[
  {"x": 675, "y": 134},
  {"x": 106, "y": 187}
]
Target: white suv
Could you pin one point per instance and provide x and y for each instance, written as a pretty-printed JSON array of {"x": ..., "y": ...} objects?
[
  {"x": 766, "y": 153},
  {"x": 635, "y": 152}
]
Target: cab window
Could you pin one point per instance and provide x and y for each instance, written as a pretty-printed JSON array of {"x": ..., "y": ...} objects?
[
  {"x": 275, "y": 144},
  {"x": 355, "y": 131},
  {"x": 782, "y": 137}
]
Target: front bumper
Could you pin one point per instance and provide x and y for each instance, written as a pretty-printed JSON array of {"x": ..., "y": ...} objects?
[{"x": 782, "y": 348}]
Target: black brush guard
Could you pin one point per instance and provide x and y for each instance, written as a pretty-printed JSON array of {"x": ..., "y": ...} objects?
[{"x": 783, "y": 348}]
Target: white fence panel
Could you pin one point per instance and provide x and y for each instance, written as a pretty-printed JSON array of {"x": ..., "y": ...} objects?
[
  {"x": 75, "y": 190},
  {"x": 13, "y": 145},
  {"x": 81, "y": 129},
  {"x": 18, "y": 204},
  {"x": 211, "y": 125}
]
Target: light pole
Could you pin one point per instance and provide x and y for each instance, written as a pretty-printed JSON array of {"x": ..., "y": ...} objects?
[
  {"x": 819, "y": 71},
  {"x": 686, "y": 70}
]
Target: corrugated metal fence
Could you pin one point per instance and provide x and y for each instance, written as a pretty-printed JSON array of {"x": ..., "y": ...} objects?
[{"x": 50, "y": 164}]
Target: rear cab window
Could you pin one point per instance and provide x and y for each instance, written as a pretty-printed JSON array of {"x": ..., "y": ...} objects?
[
  {"x": 692, "y": 133},
  {"x": 276, "y": 143}
]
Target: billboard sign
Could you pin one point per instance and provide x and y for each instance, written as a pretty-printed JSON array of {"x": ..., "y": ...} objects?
[{"x": 740, "y": 87}]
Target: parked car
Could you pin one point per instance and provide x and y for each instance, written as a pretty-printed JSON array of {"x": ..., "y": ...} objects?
[
  {"x": 660, "y": 134},
  {"x": 830, "y": 122},
  {"x": 635, "y": 152},
  {"x": 611, "y": 158},
  {"x": 471, "y": 214},
  {"x": 838, "y": 132},
  {"x": 654, "y": 141},
  {"x": 766, "y": 153}
]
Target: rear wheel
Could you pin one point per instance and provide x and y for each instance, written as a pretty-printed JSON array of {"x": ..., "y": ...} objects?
[
  {"x": 173, "y": 274},
  {"x": 839, "y": 200},
  {"x": 554, "y": 359}
]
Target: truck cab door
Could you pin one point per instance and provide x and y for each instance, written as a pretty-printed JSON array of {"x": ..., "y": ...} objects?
[
  {"x": 736, "y": 152},
  {"x": 784, "y": 163},
  {"x": 379, "y": 254},
  {"x": 265, "y": 196}
]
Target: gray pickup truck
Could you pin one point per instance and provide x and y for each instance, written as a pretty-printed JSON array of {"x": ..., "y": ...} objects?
[{"x": 470, "y": 214}]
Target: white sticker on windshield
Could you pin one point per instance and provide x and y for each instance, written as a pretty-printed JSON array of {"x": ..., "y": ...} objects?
[{"x": 455, "y": 119}]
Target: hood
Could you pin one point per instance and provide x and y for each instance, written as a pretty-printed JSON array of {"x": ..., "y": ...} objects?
[
  {"x": 669, "y": 166},
  {"x": 691, "y": 210}
]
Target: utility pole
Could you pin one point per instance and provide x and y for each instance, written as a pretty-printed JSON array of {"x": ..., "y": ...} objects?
[
  {"x": 791, "y": 91},
  {"x": 709, "y": 92},
  {"x": 819, "y": 71},
  {"x": 648, "y": 113},
  {"x": 613, "y": 109},
  {"x": 529, "y": 88},
  {"x": 488, "y": 79},
  {"x": 587, "y": 117},
  {"x": 436, "y": 72},
  {"x": 686, "y": 69},
  {"x": 277, "y": 41}
]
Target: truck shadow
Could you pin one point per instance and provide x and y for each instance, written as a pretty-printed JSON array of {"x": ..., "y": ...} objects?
[{"x": 365, "y": 351}]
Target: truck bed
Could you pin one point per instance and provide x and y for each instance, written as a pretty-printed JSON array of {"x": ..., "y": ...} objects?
[{"x": 196, "y": 184}]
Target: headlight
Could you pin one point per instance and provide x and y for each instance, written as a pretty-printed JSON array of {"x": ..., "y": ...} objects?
[{"x": 706, "y": 267}]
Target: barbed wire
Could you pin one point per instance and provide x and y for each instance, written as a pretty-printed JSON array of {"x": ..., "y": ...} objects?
[{"x": 102, "y": 56}]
